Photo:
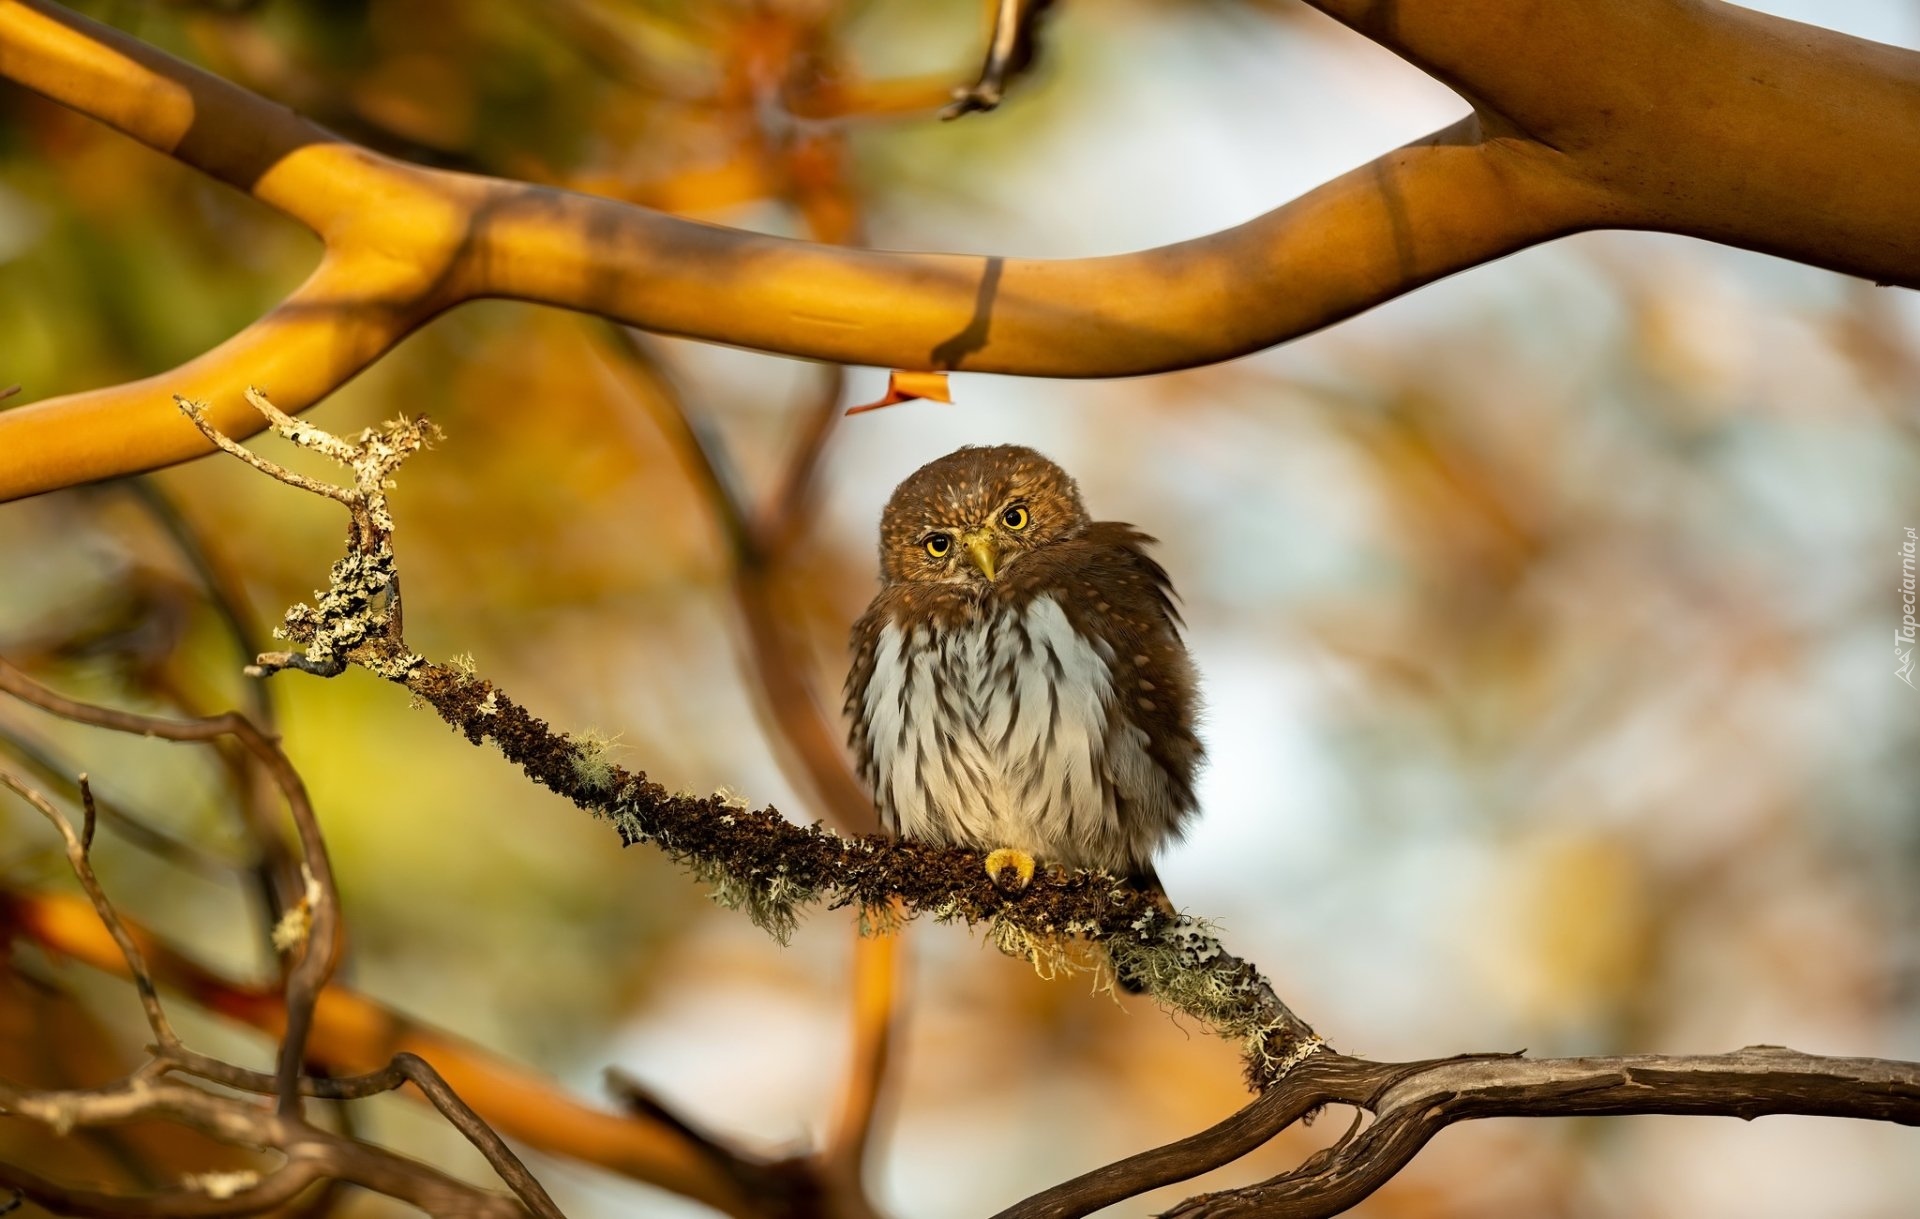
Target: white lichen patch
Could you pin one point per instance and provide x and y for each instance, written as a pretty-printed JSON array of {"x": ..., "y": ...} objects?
[
  {"x": 221, "y": 1185},
  {"x": 592, "y": 759},
  {"x": 1052, "y": 956},
  {"x": 770, "y": 900},
  {"x": 292, "y": 929},
  {"x": 360, "y": 605}
]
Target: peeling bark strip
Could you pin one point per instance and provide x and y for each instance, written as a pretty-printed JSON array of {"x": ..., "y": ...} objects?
[{"x": 755, "y": 860}]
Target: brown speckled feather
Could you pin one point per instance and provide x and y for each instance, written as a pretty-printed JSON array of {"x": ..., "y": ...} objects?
[{"x": 1034, "y": 695}]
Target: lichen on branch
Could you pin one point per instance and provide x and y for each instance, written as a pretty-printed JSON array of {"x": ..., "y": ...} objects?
[
  {"x": 361, "y": 602},
  {"x": 754, "y": 860}
]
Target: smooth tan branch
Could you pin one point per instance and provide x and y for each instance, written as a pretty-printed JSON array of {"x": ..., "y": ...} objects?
[{"x": 1699, "y": 118}]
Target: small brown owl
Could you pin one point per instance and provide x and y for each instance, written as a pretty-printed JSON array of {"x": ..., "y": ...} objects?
[{"x": 1019, "y": 685}]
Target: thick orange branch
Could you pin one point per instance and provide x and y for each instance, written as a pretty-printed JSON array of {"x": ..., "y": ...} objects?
[
  {"x": 1693, "y": 116},
  {"x": 334, "y": 325},
  {"x": 431, "y": 239},
  {"x": 1684, "y": 115}
]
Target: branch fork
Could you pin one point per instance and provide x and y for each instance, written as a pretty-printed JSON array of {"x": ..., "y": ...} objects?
[
  {"x": 311, "y": 1154},
  {"x": 361, "y": 604}
]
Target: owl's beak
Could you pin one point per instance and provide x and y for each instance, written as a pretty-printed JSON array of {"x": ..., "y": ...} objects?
[{"x": 980, "y": 549}]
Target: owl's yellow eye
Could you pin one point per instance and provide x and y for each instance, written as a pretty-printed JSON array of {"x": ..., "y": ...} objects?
[
  {"x": 1016, "y": 517},
  {"x": 938, "y": 544}
]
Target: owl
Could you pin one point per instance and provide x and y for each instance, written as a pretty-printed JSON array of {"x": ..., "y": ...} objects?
[{"x": 1019, "y": 685}]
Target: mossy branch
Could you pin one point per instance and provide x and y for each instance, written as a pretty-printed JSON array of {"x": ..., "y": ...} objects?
[{"x": 755, "y": 860}]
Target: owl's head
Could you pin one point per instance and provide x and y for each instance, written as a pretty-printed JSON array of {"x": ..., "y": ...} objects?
[{"x": 972, "y": 514}]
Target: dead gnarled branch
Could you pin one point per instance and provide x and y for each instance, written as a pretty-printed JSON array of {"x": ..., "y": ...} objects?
[
  {"x": 311, "y": 1155},
  {"x": 1409, "y": 1103}
]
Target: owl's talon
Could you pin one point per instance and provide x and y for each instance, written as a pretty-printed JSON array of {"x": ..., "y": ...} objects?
[{"x": 1007, "y": 859}]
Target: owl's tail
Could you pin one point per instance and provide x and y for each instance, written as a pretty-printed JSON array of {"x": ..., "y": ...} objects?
[{"x": 1147, "y": 881}]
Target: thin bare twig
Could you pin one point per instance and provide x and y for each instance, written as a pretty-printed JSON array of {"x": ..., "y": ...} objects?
[
  {"x": 50, "y": 768},
  {"x": 1011, "y": 50},
  {"x": 312, "y": 1155},
  {"x": 221, "y": 1116},
  {"x": 321, "y": 938},
  {"x": 79, "y": 845},
  {"x": 353, "y": 1030},
  {"x": 403, "y": 1069}
]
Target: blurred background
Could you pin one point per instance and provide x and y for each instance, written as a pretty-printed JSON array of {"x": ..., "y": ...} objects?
[{"x": 1544, "y": 615}]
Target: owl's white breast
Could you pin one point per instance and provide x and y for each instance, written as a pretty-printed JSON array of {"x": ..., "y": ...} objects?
[{"x": 999, "y": 733}]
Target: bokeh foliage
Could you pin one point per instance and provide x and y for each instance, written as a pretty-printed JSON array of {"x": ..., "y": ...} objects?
[{"x": 1544, "y": 614}]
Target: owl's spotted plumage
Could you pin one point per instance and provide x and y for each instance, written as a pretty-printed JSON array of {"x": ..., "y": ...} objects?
[{"x": 1019, "y": 681}]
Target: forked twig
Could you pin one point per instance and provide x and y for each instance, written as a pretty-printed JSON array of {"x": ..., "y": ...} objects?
[
  {"x": 79, "y": 846},
  {"x": 312, "y": 1154},
  {"x": 362, "y": 598},
  {"x": 316, "y": 920}
]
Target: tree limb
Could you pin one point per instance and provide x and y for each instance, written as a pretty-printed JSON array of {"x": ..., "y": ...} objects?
[
  {"x": 1694, "y": 117},
  {"x": 1411, "y": 1102},
  {"x": 1411, "y": 1107}
]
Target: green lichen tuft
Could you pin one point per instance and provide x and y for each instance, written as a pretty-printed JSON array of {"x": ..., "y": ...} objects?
[
  {"x": 880, "y": 918},
  {"x": 592, "y": 759},
  {"x": 771, "y": 900},
  {"x": 1051, "y": 954}
]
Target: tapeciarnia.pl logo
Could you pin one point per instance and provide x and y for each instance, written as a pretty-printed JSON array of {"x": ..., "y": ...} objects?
[{"x": 1903, "y": 635}]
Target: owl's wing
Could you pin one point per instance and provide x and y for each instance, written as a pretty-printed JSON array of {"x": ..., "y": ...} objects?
[
  {"x": 1116, "y": 592},
  {"x": 863, "y": 644}
]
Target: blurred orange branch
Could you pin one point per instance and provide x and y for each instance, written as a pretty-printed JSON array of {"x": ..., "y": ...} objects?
[
  {"x": 803, "y": 725},
  {"x": 877, "y": 988},
  {"x": 1697, "y": 118}
]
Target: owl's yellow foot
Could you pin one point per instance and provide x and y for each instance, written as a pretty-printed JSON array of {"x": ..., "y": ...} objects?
[{"x": 1009, "y": 860}]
